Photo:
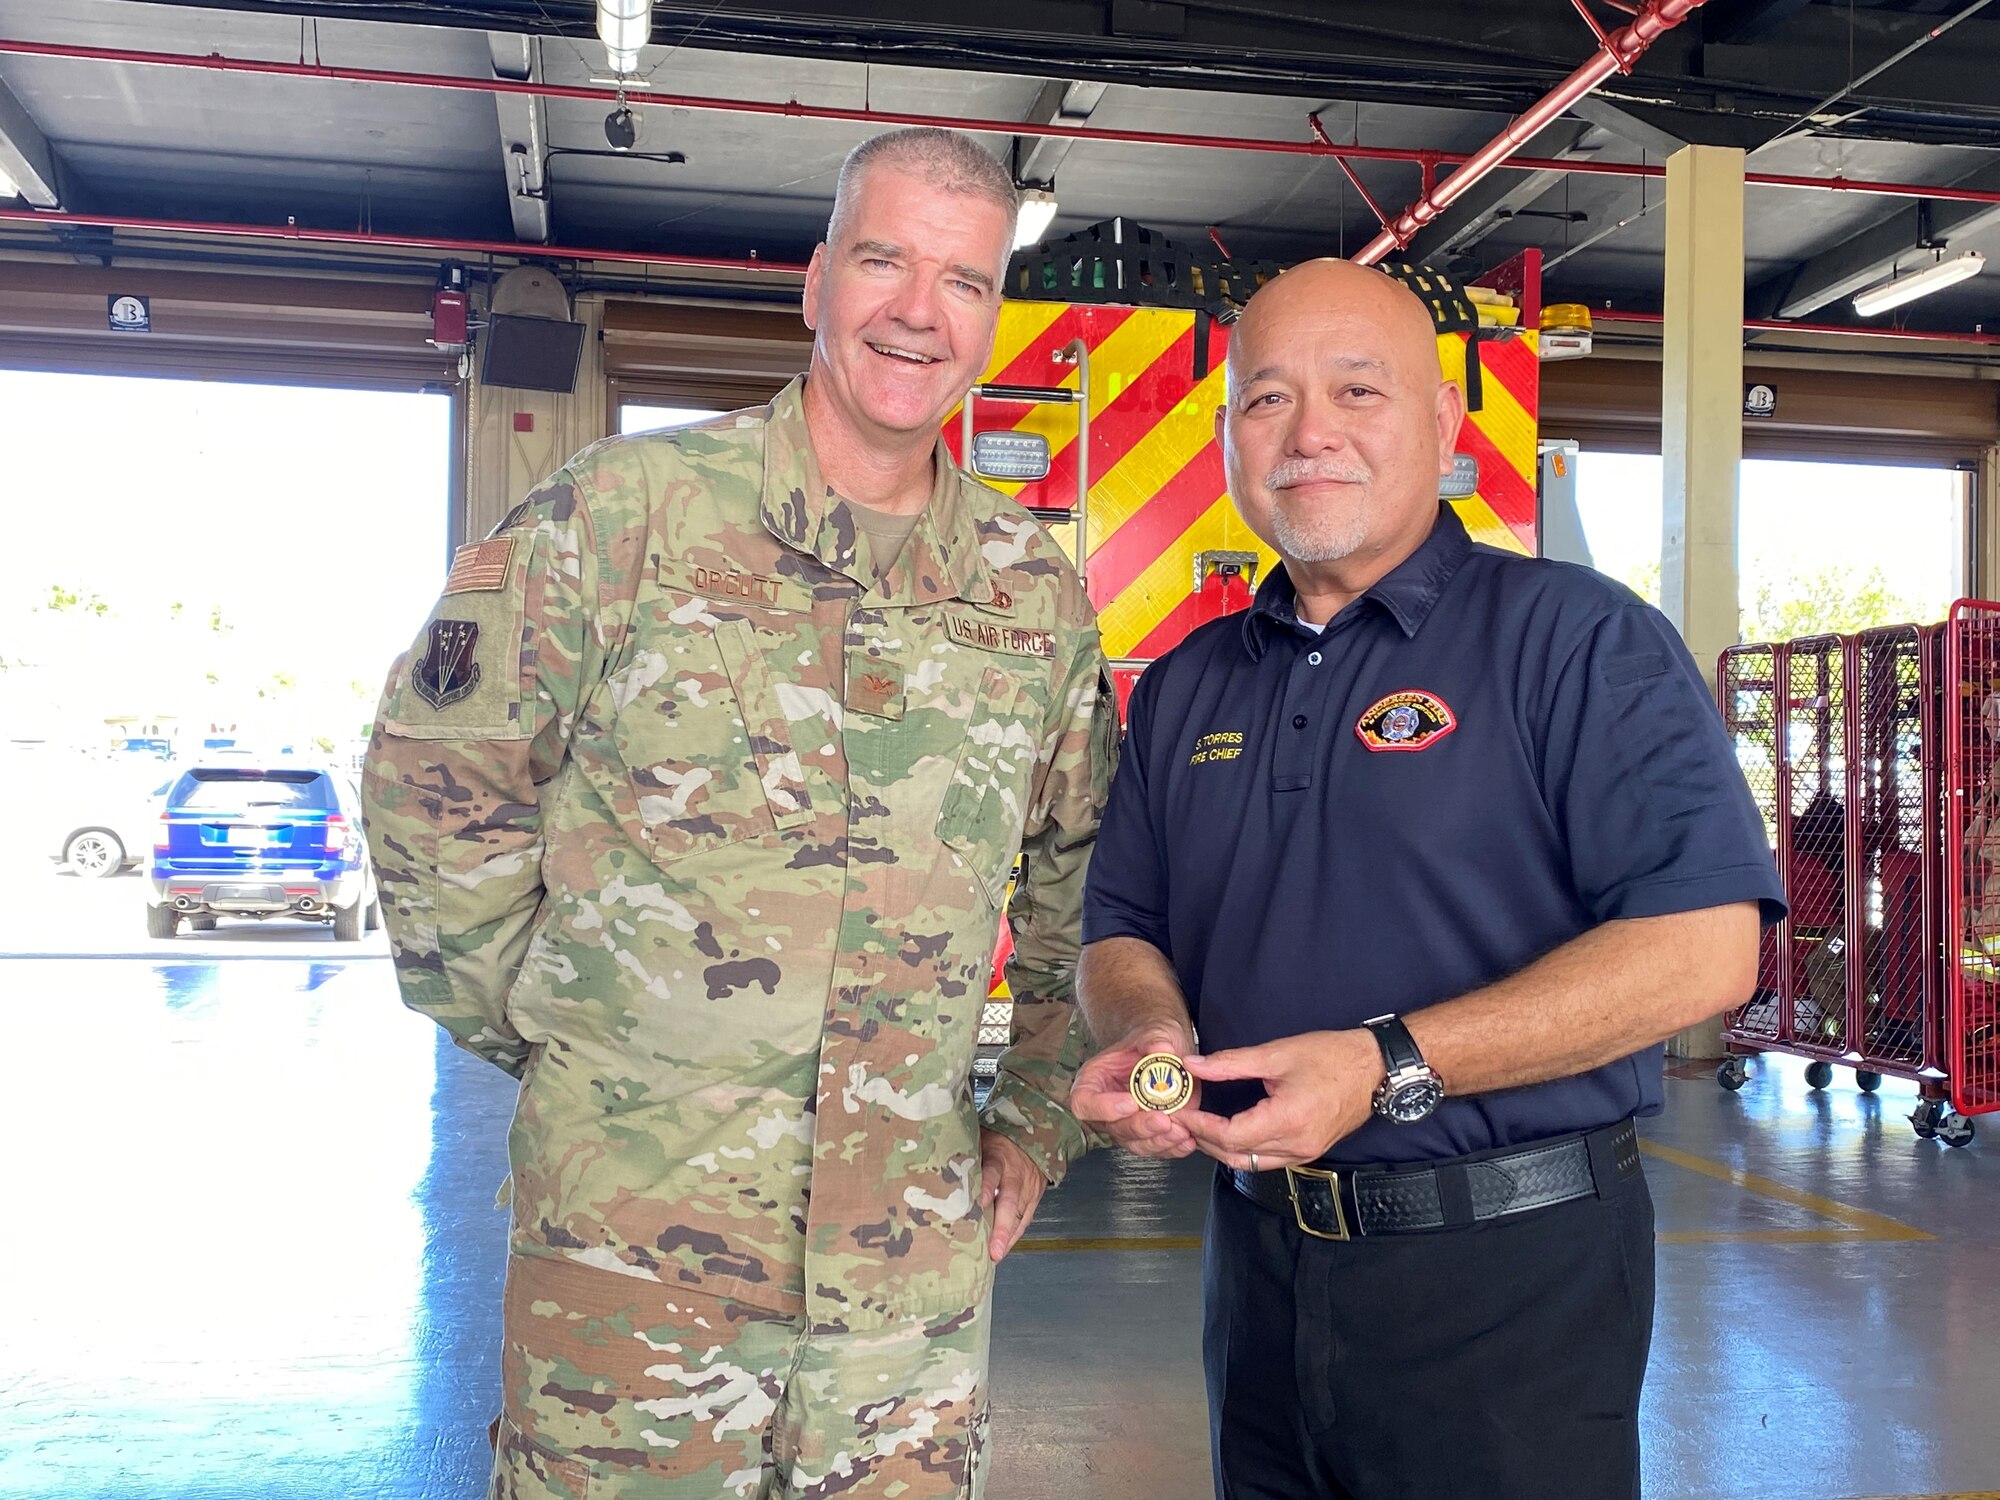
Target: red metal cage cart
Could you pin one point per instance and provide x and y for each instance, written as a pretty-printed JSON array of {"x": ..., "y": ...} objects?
[{"x": 1875, "y": 760}]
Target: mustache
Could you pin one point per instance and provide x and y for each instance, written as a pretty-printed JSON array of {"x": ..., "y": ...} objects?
[{"x": 1297, "y": 471}]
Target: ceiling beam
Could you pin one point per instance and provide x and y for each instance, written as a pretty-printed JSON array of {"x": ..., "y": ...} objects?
[
  {"x": 26, "y": 157},
  {"x": 1870, "y": 256},
  {"x": 1661, "y": 131},
  {"x": 1748, "y": 20},
  {"x": 1489, "y": 203},
  {"x": 1059, "y": 103},
  {"x": 524, "y": 135}
]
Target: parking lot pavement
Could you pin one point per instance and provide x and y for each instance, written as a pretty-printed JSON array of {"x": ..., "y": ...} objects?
[{"x": 46, "y": 910}]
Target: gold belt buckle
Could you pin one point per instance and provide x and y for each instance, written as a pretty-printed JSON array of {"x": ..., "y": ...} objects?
[{"x": 1292, "y": 1176}]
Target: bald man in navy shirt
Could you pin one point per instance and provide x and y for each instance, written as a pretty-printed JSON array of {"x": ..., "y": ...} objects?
[{"x": 1432, "y": 848}]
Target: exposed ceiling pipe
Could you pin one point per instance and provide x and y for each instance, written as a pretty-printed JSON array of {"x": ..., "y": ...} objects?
[
  {"x": 1841, "y": 330},
  {"x": 1615, "y": 54},
  {"x": 396, "y": 241},
  {"x": 1320, "y": 147},
  {"x": 752, "y": 265}
]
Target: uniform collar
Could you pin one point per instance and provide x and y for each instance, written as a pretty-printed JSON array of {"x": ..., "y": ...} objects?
[
  {"x": 942, "y": 559},
  {"x": 1408, "y": 592}
]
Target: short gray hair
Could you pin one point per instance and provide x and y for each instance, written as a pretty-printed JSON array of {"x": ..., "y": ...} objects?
[{"x": 945, "y": 159}]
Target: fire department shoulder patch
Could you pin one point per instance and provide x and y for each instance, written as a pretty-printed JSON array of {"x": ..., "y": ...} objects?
[{"x": 1406, "y": 721}]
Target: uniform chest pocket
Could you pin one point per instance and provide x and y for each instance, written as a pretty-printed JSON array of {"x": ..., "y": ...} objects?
[
  {"x": 704, "y": 744},
  {"x": 985, "y": 806}
]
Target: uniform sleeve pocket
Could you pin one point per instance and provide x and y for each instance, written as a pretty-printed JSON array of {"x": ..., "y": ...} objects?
[{"x": 463, "y": 678}]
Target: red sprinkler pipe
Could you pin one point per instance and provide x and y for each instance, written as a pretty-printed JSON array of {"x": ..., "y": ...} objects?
[
  {"x": 1324, "y": 146},
  {"x": 1617, "y": 54},
  {"x": 396, "y": 241}
]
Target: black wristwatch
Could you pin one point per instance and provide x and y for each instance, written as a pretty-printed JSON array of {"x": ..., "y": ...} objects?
[{"x": 1412, "y": 1091}]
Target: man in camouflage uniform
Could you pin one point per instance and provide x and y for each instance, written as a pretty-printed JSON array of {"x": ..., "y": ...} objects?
[{"x": 694, "y": 807}]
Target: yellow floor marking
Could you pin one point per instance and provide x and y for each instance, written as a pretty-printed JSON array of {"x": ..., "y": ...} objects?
[
  {"x": 1861, "y": 1224},
  {"x": 1861, "y": 1227}
]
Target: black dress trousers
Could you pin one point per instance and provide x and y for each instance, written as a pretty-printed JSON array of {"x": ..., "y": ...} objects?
[{"x": 1501, "y": 1361}]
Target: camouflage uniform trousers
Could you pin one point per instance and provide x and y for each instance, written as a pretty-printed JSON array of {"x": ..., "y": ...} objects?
[{"x": 618, "y": 1388}]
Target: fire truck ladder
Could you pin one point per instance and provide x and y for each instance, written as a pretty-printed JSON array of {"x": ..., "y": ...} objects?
[{"x": 1077, "y": 353}]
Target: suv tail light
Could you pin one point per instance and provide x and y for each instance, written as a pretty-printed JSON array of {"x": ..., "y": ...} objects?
[
  {"x": 163, "y": 835},
  {"x": 336, "y": 833}
]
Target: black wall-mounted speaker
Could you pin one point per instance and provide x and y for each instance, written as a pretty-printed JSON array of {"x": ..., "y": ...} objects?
[{"x": 531, "y": 354}]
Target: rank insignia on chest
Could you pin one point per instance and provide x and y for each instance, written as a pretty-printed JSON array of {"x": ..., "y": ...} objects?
[
  {"x": 874, "y": 688},
  {"x": 447, "y": 673},
  {"x": 1406, "y": 721}
]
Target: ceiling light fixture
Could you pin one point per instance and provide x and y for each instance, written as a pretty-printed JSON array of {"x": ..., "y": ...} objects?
[
  {"x": 624, "y": 26},
  {"x": 1900, "y": 289},
  {"x": 1038, "y": 211},
  {"x": 7, "y": 187}
]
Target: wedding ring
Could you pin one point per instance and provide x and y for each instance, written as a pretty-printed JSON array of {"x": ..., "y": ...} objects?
[{"x": 1253, "y": 1161}]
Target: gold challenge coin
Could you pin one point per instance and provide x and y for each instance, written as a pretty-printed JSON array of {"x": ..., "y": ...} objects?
[{"x": 1160, "y": 1082}]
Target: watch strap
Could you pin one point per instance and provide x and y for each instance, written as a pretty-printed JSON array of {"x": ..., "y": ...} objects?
[{"x": 1399, "y": 1048}]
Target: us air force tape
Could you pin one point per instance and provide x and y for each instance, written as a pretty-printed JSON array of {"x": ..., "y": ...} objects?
[{"x": 1160, "y": 1082}]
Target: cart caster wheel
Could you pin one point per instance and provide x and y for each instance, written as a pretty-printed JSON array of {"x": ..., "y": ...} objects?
[
  {"x": 1733, "y": 1073},
  {"x": 1924, "y": 1118},
  {"x": 1954, "y": 1129},
  {"x": 1866, "y": 1081},
  {"x": 1819, "y": 1074}
]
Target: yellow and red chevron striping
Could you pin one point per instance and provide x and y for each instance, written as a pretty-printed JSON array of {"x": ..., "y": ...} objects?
[
  {"x": 1158, "y": 493},
  {"x": 1501, "y": 436},
  {"x": 1175, "y": 506}
]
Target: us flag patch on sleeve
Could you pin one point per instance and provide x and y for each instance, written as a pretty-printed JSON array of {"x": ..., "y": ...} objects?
[{"x": 480, "y": 565}]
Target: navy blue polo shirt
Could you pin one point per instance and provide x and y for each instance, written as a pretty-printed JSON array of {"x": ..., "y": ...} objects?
[{"x": 1479, "y": 759}]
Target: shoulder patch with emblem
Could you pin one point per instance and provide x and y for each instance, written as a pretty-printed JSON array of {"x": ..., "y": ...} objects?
[
  {"x": 447, "y": 672},
  {"x": 1411, "y": 720}
]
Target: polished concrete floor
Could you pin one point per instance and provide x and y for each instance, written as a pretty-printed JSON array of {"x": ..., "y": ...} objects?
[{"x": 252, "y": 1252}]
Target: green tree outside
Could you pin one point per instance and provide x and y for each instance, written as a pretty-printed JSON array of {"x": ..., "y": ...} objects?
[{"x": 1838, "y": 599}]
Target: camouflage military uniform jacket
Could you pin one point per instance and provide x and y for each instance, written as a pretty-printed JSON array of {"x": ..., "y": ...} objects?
[{"x": 704, "y": 834}]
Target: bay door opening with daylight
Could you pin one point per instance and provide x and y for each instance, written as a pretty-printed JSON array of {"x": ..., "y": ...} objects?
[
  {"x": 1821, "y": 547},
  {"x": 208, "y": 573}
]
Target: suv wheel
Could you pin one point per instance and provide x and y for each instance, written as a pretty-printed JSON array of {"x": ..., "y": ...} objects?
[
  {"x": 94, "y": 853},
  {"x": 347, "y": 923},
  {"x": 161, "y": 921}
]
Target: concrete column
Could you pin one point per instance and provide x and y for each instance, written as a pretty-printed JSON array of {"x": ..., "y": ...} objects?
[
  {"x": 1984, "y": 578},
  {"x": 1701, "y": 420},
  {"x": 516, "y": 439}
]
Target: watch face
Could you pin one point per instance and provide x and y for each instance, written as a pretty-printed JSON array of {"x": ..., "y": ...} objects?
[{"x": 1414, "y": 1100}]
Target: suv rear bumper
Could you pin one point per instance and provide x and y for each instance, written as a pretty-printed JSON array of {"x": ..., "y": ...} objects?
[{"x": 249, "y": 896}]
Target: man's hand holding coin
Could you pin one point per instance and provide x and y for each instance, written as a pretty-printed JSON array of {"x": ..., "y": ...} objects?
[{"x": 1108, "y": 1091}]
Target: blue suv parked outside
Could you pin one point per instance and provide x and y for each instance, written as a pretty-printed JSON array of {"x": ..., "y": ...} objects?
[{"x": 261, "y": 841}]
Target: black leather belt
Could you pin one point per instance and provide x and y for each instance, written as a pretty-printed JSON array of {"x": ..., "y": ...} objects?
[{"x": 1340, "y": 1203}]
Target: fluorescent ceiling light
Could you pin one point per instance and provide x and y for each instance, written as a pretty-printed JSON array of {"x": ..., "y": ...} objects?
[
  {"x": 624, "y": 26},
  {"x": 1894, "y": 293},
  {"x": 7, "y": 187},
  {"x": 1038, "y": 211}
]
